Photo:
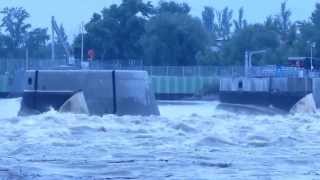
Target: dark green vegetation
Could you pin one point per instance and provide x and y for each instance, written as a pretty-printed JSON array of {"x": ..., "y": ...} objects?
[
  {"x": 167, "y": 34},
  {"x": 17, "y": 35},
  {"x": 18, "y": 39}
]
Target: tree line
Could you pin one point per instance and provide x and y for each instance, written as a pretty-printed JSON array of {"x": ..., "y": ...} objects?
[
  {"x": 18, "y": 39},
  {"x": 167, "y": 34}
]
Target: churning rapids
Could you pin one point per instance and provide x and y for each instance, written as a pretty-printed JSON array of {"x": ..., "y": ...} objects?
[{"x": 189, "y": 141}]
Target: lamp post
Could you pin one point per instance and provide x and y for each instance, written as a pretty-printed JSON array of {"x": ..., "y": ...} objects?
[
  {"x": 82, "y": 42},
  {"x": 52, "y": 40},
  {"x": 313, "y": 45}
]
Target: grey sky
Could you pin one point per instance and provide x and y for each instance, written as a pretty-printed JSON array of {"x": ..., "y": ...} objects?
[{"x": 72, "y": 12}]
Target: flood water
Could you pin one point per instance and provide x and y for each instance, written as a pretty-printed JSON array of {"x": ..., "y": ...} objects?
[{"x": 190, "y": 140}]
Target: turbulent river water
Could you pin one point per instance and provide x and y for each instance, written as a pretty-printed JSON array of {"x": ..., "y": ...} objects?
[{"x": 190, "y": 140}]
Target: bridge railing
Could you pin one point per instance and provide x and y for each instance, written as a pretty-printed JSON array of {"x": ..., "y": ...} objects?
[
  {"x": 280, "y": 71},
  {"x": 13, "y": 65},
  {"x": 194, "y": 70}
]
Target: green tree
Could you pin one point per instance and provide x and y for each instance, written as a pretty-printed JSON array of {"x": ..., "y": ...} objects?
[
  {"x": 253, "y": 37},
  {"x": 240, "y": 23},
  {"x": 169, "y": 35},
  {"x": 208, "y": 18},
  {"x": 315, "y": 17},
  {"x": 13, "y": 22},
  {"x": 115, "y": 33},
  {"x": 173, "y": 39},
  {"x": 3, "y": 45},
  {"x": 36, "y": 43},
  {"x": 271, "y": 23},
  {"x": 283, "y": 22},
  {"x": 17, "y": 37},
  {"x": 173, "y": 7},
  {"x": 224, "y": 23},
  {"x": 315, "y": 35},
  {"x": 309, "y": 33}
]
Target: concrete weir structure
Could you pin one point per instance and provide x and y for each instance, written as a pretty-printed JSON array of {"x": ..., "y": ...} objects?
[
  {"x": 282, "y": 93},
  {"x": 105, "y": 91}
]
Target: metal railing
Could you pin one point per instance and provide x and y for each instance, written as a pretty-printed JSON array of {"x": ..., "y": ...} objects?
[
  {"x": 13, "y": 65},
  {"x": 276, "y": 71}
]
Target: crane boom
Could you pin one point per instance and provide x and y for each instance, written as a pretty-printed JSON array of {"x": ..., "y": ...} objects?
[{"x": 60, "y": 36}]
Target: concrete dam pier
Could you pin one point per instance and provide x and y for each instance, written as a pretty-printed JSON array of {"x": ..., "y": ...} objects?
[
  {"x": 282, "y": 93},
  {"x": 104, "y": 91}
]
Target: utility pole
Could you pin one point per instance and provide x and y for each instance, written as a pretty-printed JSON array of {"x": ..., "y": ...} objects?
[
  {"x": 246, "y": 63},
  {"x": 52, "y": 40},
  {"x": 82, "y": 42},
  {"x": 313, "y": 45}
]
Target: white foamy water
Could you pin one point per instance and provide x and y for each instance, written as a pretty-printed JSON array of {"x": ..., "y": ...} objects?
[
  {"x": 189, "y": 141},
  {"x": 9, "y": 107}
]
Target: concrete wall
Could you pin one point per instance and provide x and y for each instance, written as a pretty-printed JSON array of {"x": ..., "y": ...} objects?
[
  {"x": 134, "y": 93},
  {"x": 293, "y": 85},
  {"x": 316, "y": 90},
  {"x": 245, "y": 84},
  {"x": 282, "y": 93},
  {"x": 182, "y": 85},
  {"x": 3, "y": 83},
  {"x": 106, "y": 92}
]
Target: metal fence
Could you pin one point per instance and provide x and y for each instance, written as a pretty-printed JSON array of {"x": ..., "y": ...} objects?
[
  {"x": 13, "y": 65},
  {"x": 281, "y": 71}
]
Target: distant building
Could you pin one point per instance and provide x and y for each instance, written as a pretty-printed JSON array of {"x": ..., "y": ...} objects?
[{"x": 304, "y": 62}]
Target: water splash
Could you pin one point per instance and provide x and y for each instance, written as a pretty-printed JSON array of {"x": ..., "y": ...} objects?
[
  {"x": 9, "y": 108},
  {"x": 190, "y": 140}
]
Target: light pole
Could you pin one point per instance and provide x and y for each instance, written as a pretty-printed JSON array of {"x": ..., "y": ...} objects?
[
  {"x": 246, "y": 63},
  {"x": 82, "y": 42},
  {"x": 52, "y": 40},
  {"x": 313, "y": 45}
]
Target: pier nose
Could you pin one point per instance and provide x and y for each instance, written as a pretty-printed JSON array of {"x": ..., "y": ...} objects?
[
  {"x": 105, "y": 92},
  {"x": 279, "y": 92}
]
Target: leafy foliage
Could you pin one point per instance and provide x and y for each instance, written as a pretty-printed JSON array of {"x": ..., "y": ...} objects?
[
  {"x": 278, "y": 35},
  {"x": 116, "y": 31},
  {"x": 167, "y": 34},
  {"x": 17, "y": 36},
  {"x": 173, "y": 39},
  {"x": 240, "y": 23},
  {"x": 208, "y": 18}
]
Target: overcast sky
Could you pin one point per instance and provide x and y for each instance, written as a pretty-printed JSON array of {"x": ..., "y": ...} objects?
[{"x": 72, "y": 12}]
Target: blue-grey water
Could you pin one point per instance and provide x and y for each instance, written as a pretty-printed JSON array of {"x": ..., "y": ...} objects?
[{"x": 188, "y": 141}]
